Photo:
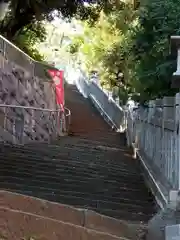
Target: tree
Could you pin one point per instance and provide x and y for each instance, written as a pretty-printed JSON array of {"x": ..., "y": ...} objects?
[
  {"x": 153, "y": 64},
  {"x": 4, "y": 4},
  {"x": 135, "y": 43},
  {"x": 25, "y": 12},
  {"x": 54, "y": 46},
  {"x": 28, "y": 37},
  {"x": 105, "y": 46}
]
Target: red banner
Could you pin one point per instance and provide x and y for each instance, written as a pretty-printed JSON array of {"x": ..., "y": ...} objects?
[{"x": 57, "y": 76}]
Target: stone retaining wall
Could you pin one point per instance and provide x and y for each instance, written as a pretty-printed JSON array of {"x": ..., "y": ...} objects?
[{"x": 19, "y": 87}]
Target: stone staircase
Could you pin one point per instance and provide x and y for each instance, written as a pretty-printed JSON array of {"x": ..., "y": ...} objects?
[
  {"x": 92, "y": 171},
  {"x": 35, "y": 216}
]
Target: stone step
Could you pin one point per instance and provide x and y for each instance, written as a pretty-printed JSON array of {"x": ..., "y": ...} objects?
[
  {"x": 78, "y": 196},
  {"x": 70, "y": 190},
  {"x": 93, "y": 170},
  {"x": 101, "y": 153},
  {"x": 64, "y": 148},
  {"x": 22, "y": 225},
  {"x": 71, "y": 158},
  {"x": 66, "y": 166},
  {"x": 66, "y": 162},
  {"x": 76, "y": 177},
  {"x": 78, "y": 192},
  {"x": 81, "y": 176},
  {"x": 67, "y": 214},
  {"x": 85, "y": 141},
  {"x": 91, "y": 199}
]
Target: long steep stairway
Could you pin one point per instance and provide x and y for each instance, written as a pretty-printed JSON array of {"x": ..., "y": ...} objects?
[{"x": 90, "y": 169}]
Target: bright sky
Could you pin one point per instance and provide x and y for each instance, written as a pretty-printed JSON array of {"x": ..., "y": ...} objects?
[
  {"x": 55, "y": 30},
  {"x": 71, "y": 28}
]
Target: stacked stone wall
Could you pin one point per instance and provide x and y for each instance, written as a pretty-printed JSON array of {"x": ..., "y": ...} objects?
[{"x": 20, "y": 87}]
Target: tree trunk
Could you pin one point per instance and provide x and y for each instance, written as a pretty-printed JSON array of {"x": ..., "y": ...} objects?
[
  {"x": 15, "y": 25},
  {"x": 17, "y": 21},
  {"x": 3, "y": 9}
]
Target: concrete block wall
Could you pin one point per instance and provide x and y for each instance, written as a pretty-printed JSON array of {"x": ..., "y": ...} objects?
[{"x": 20, "y": 87}]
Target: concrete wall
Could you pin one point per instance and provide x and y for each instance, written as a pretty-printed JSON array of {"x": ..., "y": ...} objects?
[{"x": 20, "y": 87}]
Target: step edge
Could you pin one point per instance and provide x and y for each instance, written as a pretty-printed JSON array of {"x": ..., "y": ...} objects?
[
  {"x": 127, "y": 224},
  {"x": 62, "y": 222},
  {"x": 73, "y": 208}
]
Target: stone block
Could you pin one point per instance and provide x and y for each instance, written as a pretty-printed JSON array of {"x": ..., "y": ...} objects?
[
  {"x": 172, "y": 232},
  {"x": 19, "y": 88},
  {"x": 158, "y": 226},
  {"x": 107, "y": 225}
]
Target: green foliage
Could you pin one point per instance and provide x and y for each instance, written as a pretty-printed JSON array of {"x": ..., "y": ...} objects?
[
  {"x": 135, "y": 43},
  {"x": 89, "y": 13},
  {"x": 29, "y": 37},
  {"x": 77, "y": 43},
  {"x": 25, "y": 12},
  {"x": 158, "y": 20},
  {"x": 104, "y": 44}
]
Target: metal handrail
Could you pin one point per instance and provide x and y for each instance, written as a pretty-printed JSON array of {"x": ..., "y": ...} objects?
[
  {"x": 14, "y": 54},
  {"x": 11, "y": 114},
  {"x": 53, "y": 123},
  {"x": 69, "y": 112},
  {"x": 28, "y": 107},
  {"x": 35, "y": 108}
]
